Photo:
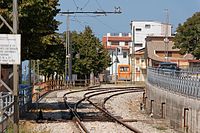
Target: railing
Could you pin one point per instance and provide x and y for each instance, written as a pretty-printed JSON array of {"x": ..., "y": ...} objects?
[
  {"x": 183, "y": 82},
  {"x": 6, "y": 108}
]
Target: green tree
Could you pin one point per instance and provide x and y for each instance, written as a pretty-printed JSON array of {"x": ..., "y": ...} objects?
[
  {"x": 54, "y": 61},
  {"x": 36, "y": 21},
  {"x": 187, "y": 38},
  {"x": 88, "y": 54}
]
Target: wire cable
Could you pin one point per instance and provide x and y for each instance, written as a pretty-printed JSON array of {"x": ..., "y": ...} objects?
[
  {"x": 85, "y": 5},
  {"x": 75, "y": 5},
  {"x": 106, "y": 25},
  {"x": 99, "y": 5}
]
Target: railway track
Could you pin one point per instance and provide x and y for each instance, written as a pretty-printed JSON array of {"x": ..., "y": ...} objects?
[
  {"x": 95, "y": 110},
  {"x": 104, "y": 114}
]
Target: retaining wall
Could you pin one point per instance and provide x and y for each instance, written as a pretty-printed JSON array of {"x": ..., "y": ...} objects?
[{"x": 183, "y": 112}]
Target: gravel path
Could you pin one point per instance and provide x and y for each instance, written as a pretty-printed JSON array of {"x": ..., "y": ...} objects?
[{"x": 128, "y": 107}]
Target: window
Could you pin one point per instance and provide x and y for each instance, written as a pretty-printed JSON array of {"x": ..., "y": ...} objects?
[
  {"x": 169, "y": 54},
  {"x": 138, "y": 44},
  {"x": 126, "y": 43},
  {"x": 138, "y": 29},
  {"x": 142, "y": 60},
  {"x": 147, "y": 26},
  {"x": 124, "y": 54},
  {"x": 115, "y": 43},
  {"x": 137, "y": 69},
  {"x": 137, "y": 60},
  {"x": 124, "y": 69}
]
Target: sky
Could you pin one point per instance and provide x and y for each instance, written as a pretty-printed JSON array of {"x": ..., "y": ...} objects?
[{"x": 153, "y": 10}]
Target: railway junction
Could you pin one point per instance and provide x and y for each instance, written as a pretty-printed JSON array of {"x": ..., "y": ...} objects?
[{"x": 107, "y": 108}]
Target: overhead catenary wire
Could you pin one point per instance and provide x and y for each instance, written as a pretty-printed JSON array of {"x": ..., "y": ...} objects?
[
  {"x": 98, "y": 4},
  {"x": 81, "y": 8},
  {"x": 106, "y": 25}
]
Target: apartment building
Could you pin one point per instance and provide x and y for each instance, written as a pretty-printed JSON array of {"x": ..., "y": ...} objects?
[
  {"x": 118, "y": 45},
  {"x": 141, "y": 29}
]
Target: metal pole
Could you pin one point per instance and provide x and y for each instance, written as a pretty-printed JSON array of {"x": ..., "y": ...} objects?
[
  {"x": 15, "y": 71},
  {"x": 166, "y": 40},
  {"x": 133, "y": 54},
  {"x": 69, "y": 51},
  {"x": 66, "y": 55},
  {"x": 116, "y": 51}
]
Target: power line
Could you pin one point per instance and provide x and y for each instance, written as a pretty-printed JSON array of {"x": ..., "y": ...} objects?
[
  {"x": 84, "y": 6},
  {"x": 105, "y": 24},
  {"x": 99, "y": 5},
  {"x": 76, "y": 5},
  {"x": 81, "y": 8},
  {"x": 81, "y": 23}
]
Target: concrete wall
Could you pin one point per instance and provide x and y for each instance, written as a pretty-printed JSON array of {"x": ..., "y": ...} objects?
[{"x": 183, "y": 112}]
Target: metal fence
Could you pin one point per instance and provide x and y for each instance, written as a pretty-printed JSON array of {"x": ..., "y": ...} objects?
[
  {"x": 183, "y": 82},
  {"x": 7, "y": 105},
  {"x": 6, "y": 108}
]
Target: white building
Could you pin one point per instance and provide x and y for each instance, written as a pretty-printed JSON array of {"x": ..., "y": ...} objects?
[
  {"x": 141, "y": 29},
  {"x": 122, "y": 42}
]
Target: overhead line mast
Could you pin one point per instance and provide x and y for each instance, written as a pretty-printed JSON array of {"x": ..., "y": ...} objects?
[{"x": 68, "y": 46}]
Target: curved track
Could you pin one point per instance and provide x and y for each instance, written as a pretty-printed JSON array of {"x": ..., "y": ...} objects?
[{"x": 93, "y": 93}]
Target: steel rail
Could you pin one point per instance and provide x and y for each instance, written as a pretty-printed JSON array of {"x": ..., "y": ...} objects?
[
  {"x": 77, "y": 118},
  {"x": 109, "y": 114},
  {"x": 94, "y": 90},
  {"x": 114, "y": 118}
]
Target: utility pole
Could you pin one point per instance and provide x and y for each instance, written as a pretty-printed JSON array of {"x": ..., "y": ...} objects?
[
  {"x": 166, "y": 40},
  {"x": 15, "y": 71},
  {"x": 15, "y": 74},
  {"x": 133, "y": 71},
  {"x": 68, "y": 59}
]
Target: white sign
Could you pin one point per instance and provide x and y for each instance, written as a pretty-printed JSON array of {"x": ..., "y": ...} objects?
[{"x": 10, "y": 49}]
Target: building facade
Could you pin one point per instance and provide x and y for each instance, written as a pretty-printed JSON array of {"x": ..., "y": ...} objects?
[
  {"x": 118, "y": 46},
  {"x": 141, "y": 29},
  {"x": 158, "y": 51}
]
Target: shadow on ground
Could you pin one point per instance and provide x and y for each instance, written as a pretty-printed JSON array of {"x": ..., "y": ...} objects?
[{"x": 57, "y": 111}]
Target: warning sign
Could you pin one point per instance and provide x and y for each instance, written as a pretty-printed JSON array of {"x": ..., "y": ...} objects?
[{"x": 10, "y": 49}]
